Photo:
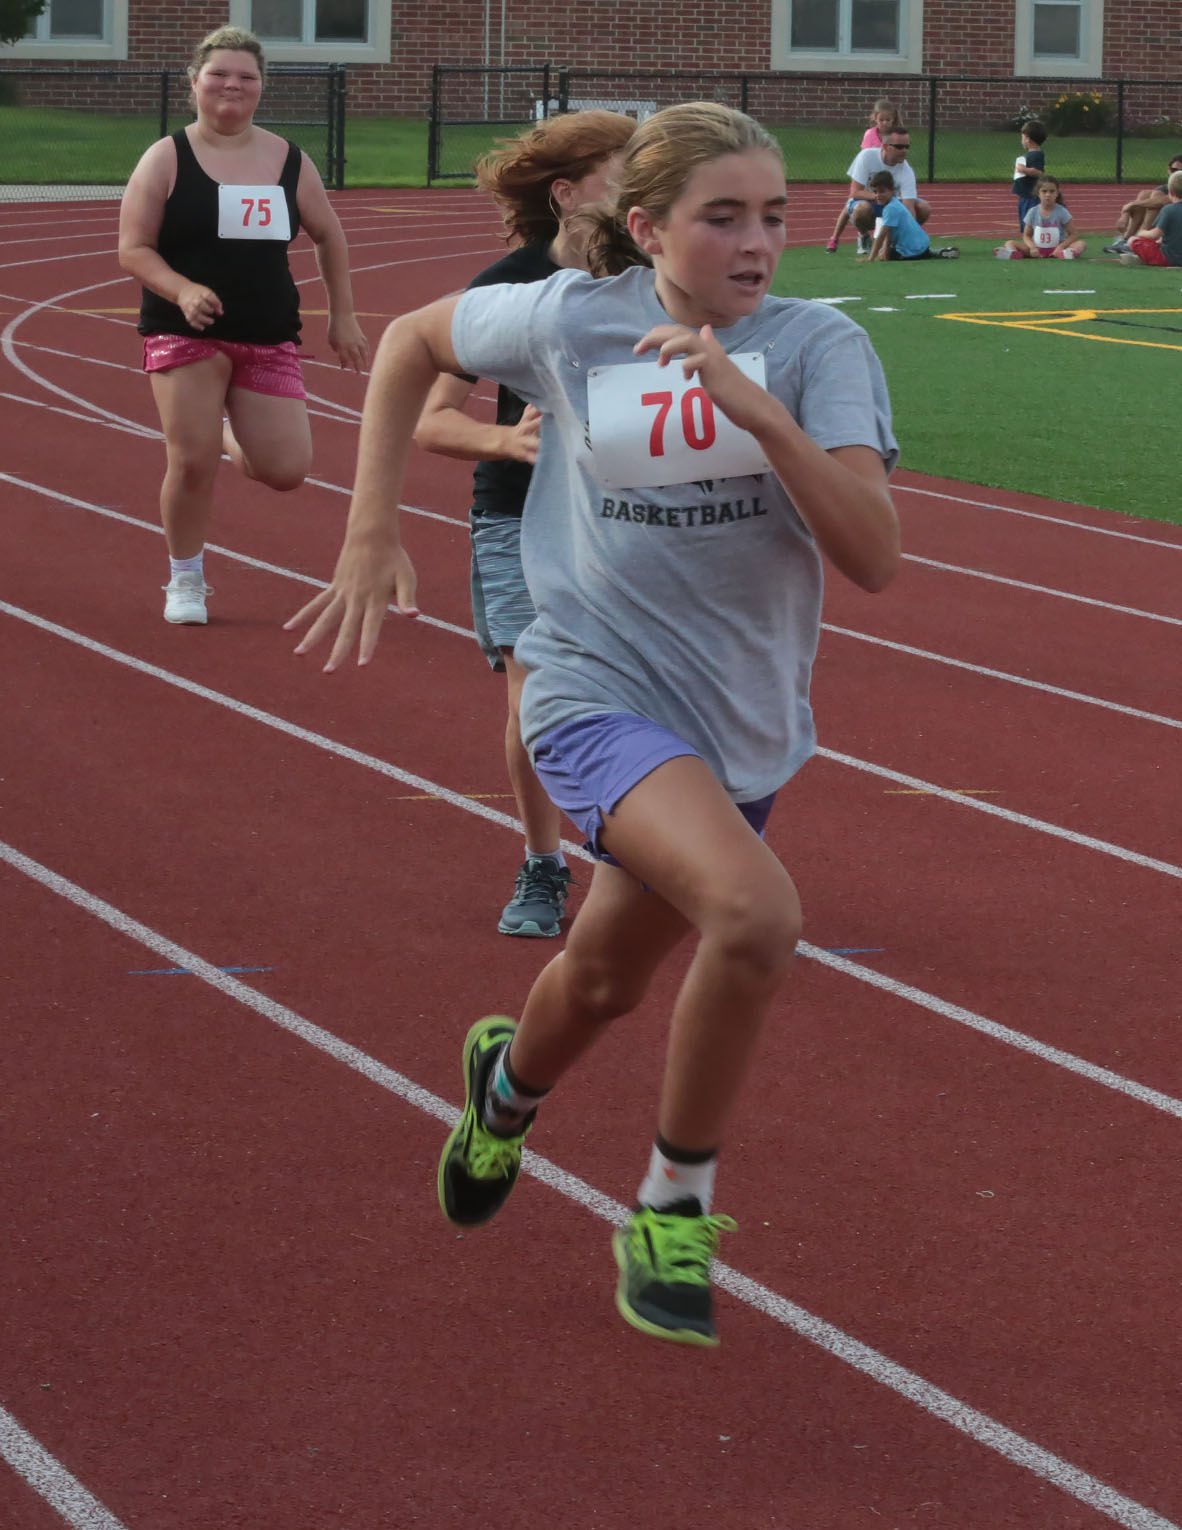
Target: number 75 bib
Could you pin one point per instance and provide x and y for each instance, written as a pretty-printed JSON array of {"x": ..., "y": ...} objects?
[
  {"x": 253, "y": 212},
  {"x": 650, "y": 426}
]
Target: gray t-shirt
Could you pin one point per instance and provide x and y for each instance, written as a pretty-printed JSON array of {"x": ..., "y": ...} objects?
[
  {"x": 1057, "y": 218},
  {"x": 696, "y": 605},
  {"x": 868, "y": 162}
]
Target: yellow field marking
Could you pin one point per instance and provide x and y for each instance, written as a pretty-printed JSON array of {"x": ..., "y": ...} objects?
[
  {"x": 927, "y": 791},
  {"x": 1053, "y": 321}
]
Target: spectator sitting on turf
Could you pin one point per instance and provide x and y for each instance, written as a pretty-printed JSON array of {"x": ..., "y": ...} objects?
[
  {"x": 1048, "y": 229},
  {"x": 891, "y": 156},
  {"x": 1139, "y": 215},
  {"x": 897, "y": 234},
  {"x": 1029, "y": 165},
  {"x": 1160, "y": 245}
]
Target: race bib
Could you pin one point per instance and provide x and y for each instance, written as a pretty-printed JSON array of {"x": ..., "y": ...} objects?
[
  {"x": 1020, "y": 171},
  {"x": 253, "y": 212},
  {"x": 1046, "y": 236},
  {"x": 651, "y": 426}
]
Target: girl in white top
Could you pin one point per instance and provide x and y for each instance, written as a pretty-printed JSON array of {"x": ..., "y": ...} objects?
[{"x": 678, "y": 611}]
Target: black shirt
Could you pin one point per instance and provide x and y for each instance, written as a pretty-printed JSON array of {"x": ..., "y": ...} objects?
[
  {"x": 251, "y": 276},
  {"x": 500, "y": 486}
]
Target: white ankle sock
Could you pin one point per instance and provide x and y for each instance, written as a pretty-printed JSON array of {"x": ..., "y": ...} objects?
[
  {"x": 187, "y": 565},
  {"x": 669, "y": 1180},
  {"x": 546, "y": 855}
]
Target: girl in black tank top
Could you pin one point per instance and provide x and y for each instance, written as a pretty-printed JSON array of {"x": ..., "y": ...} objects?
[
  {"x": 205, "y": 227},
  {"x": 251, "y": 276}
]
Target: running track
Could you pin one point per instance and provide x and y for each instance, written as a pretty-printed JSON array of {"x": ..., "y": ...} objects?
[{"x": 229, "y": 1300}]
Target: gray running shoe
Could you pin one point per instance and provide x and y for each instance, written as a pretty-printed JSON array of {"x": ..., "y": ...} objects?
[
  {"x": 1117, "y": 247},
  {"x": 539, "y": 900}
]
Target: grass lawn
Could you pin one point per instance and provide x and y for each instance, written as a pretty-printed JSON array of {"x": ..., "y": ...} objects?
[
  {"x": 81, "y": 148},
  {"x": 1096, "y": 399}
]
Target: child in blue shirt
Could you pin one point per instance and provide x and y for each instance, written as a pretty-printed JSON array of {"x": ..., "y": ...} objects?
[
  {"x": 897, "y": 232},
  {"x": 1029, "y": 165}
]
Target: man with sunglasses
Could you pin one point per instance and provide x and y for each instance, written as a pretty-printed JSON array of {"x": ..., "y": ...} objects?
[{"x": 892, "y": 156}]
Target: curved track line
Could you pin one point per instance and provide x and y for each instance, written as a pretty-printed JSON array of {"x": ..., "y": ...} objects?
[
  {"x": 1042, "y": 589},
  {"x": 1080, "y": 1066},
  {"x": 967, "y": 1420},
  {"x": 1037, "y": 515},
  {"x": 47, "y": 1476}
]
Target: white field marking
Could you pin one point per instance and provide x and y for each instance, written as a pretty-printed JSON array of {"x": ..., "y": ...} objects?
[
  {"x": 111, "y": 253},
  {"x": 849, "y": 632},
  {"x": 1001, "y": 674},
  {"x": 920, "y": 297},
  {"x": 1039, "y": 825},
  {"x": 930, "y": 1002},
  {"x": 882, "y": 310},
  {"x": 76, "y": 414},
  {"x": 1038, "y": 515},
  {"x": 933, "y": 1400},
  {"x": 47, "y": 1476},
  {"x": 214, "y": 547},
  {"x": 1069, "y": 291},
  {"x": 838, "y": 300},
  {"x": 1044, "y": 589}
]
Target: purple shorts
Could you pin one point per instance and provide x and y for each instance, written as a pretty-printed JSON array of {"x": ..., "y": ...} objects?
[{"x": 589, "y": 766}]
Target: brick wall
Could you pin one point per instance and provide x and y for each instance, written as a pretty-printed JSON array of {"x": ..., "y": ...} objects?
[{"x": 1142, "y": 38}]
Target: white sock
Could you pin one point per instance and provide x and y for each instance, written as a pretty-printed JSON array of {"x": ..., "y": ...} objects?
[
  {"x": 669, "y": 1180},
  {"x": 188, "y": 565},
  {"x": 546, "y": 855}
]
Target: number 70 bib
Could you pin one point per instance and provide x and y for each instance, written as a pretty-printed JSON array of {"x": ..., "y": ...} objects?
[{"x": 650, "y": 426}]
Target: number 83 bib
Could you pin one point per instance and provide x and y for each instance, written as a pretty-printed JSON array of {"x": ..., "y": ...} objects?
[{"x": 651, "y": 426}]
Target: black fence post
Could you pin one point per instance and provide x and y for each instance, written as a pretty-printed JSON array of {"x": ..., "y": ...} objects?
[
  {"x": 933, "y": 97},
  {"x": 545, "y": 91},
  {"x": 164, "y": 103},
  {"x": 563, "y": 89},
  {"x": 744, "y": 94},
  {"x": 341, "y": 118},
  {"x": 1120, "y": 131},
  {"x": 433, "y": 125}
]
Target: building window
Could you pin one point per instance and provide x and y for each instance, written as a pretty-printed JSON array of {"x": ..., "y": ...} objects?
[
  {"x": 75, "y": 30},
  {"x": 873, "y": 35},
  {"x": 318, "y": 31},
  {"x": 1059, "y": 37}
]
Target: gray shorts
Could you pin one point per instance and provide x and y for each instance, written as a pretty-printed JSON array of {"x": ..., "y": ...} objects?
[{"x": 501, "y": 607}]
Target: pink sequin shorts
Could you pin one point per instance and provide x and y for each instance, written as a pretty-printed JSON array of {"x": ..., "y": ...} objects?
[{"x": 273, "y": 369}]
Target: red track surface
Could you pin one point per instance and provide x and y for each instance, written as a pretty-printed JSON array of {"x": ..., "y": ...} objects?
[{"x": 229, "y": 1298}]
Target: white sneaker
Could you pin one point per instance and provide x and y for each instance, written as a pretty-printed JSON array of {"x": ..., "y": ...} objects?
[
  {"x": 864, "y": 244},
  {"x": 1068, "y": 254},
  {"x": 184, "y": 599}
]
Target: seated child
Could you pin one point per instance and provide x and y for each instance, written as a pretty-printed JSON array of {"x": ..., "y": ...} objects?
[
  {"x": 897, "y": 233},
  {"x": 1048, "y": 230},
  {"x": 1160, "y": 245}
]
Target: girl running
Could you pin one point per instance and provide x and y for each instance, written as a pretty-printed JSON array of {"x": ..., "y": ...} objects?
[
  {"x": 539, "y": 181},
  {"x": 704, "y": 444},
  {"x": 205, "y": 225}
]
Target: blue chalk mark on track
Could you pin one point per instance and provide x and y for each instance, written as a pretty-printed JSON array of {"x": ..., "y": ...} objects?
[
  {"x": 854, "y": 950},
  {"x": 185, "y": 971}
]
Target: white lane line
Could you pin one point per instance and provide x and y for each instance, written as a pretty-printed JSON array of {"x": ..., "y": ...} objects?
[
  {"x": 1021, "y": 820},
  {"x": 1043, "y": 589},
  {"x": 1001, "y": 674},
  {"x": 931, "y": 1002},
  {"x": 1038, "y": 515},
  {"x": 862, "y": 637},
  {"x": 214, "y": 547},
  {"x": 47, "y": 1476},
  {"x": 961, "y": 1416}
]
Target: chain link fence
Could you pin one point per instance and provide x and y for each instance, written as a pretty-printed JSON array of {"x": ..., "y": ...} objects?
[
  {"x": 963, "y": 128},
  {"x": 67, "y": 131}
]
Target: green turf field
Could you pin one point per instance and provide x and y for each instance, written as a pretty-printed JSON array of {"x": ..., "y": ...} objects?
[{"x": 1089, "y": 378}]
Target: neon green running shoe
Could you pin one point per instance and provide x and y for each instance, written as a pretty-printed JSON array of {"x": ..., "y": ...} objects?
[
  {"x": 664, "y": 1258},
  {"x": 477, "y": 1169}
]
